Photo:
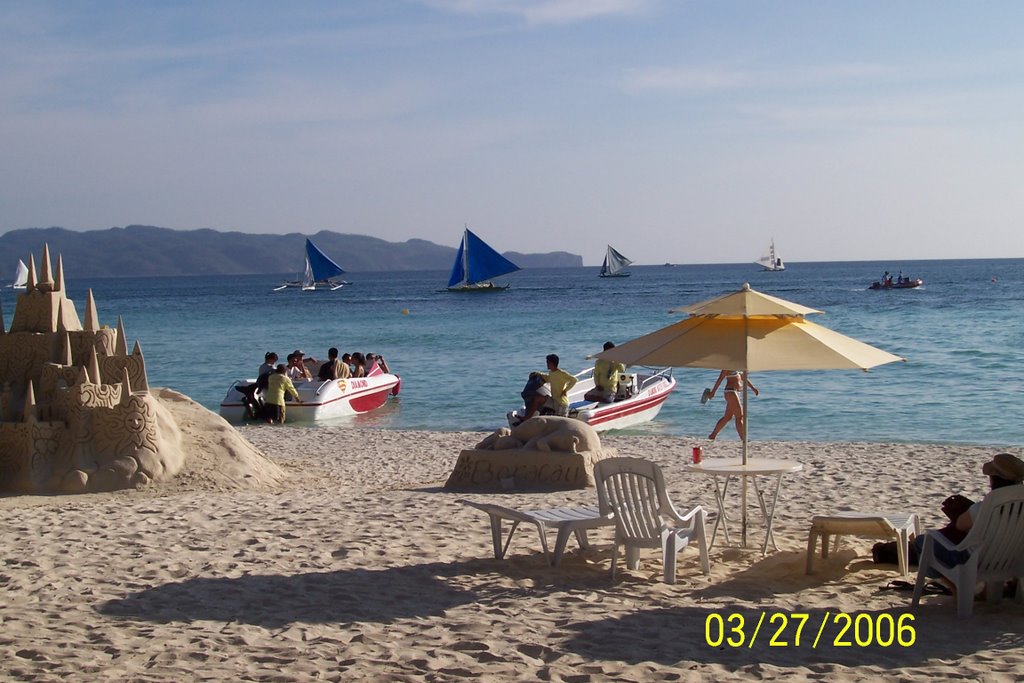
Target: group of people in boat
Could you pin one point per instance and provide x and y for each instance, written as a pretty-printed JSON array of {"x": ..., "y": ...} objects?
[
  {"x": 888, "y": 282},
  {"x": 277, "y": 380},
  {"x": 354, "y": 364}
]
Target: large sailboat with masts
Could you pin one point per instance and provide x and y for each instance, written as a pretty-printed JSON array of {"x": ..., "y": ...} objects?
[
  {"x": 321, "y": 272},
  {"x": 615, "y": 264},
  {"x": 476, "y": 263},
  {"x": 770, "y": 260}
]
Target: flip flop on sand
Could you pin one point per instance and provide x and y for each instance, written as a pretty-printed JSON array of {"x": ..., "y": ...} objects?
[{"x": 930, "y": 588}]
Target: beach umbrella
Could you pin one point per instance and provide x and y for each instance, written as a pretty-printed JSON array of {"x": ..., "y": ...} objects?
[{"x": 749, "y": 331}]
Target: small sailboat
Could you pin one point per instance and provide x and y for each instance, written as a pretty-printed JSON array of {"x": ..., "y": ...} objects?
[
  {"x": 321, "y": 272},
  {"x": 771, "y": 260},
  {"x": 20, "y": 276},
  {"x": 475, "y": 264},
  {"x": 615, "y": 264}
]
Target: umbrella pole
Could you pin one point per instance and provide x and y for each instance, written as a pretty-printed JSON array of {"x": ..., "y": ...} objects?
[{"x": 743, "y": 515}]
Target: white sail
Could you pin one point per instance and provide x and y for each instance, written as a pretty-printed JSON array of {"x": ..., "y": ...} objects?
[
  {"x": 614, "y": 264},
  {"x": 770, "y": 260},
  {"x": 20, "y": 276}
]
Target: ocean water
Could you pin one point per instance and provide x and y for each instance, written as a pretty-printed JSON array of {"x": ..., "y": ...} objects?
[{"x": 463, "y": 358}]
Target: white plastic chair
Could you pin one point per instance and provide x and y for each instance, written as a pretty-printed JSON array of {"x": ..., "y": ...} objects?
[
  {"x": 895, "y": 526},
  {"x": 996, "y": 546},
  {"x": 632, "y": 491}
]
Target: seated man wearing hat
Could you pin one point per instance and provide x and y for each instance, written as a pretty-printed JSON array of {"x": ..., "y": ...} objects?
[
  {"x": 300, "y": 362},
  {"x": 1003, "y": 470}
]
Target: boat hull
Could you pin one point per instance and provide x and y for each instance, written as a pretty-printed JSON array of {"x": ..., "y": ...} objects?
[
  {"x": 651, "y": 392},
  {"x": 906, "y": 284},
  {"x": 478, "y": 287},
  {"x": 323, "y": 400}
]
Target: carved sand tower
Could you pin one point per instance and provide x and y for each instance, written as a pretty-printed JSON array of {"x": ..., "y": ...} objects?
[{"x": 76, "y": 414}]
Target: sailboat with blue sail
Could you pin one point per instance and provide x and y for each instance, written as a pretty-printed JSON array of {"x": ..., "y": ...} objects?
[
  {"x": 321, "y": 272},
  {"x": 475, "y": 264}
]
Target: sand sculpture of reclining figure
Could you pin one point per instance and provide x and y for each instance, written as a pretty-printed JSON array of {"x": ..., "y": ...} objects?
[{"x": 542, "y": 453}]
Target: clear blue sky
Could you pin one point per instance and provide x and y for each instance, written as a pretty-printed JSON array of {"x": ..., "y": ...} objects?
[{"x": 678, "y": 131}]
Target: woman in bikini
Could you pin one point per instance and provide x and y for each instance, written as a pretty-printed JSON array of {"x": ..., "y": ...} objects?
[{"x": 733, "y": 406}]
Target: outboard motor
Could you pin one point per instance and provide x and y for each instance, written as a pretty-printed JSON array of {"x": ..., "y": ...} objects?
[{"x": 252, "y": 399}]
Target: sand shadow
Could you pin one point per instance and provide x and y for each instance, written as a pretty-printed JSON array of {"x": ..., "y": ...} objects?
[
  {"x": 678, "y": 635},
  {"x": 352, "y": 595}
]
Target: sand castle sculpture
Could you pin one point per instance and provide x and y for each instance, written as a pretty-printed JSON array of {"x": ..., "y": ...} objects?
[
  {"x": 76, "y": 414},
  {"x": 542, "y": 453}
]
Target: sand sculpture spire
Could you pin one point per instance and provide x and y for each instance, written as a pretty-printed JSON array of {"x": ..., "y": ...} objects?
[
  {"x": 45, "y": 277},
  {"x": 94, "y": 368},
  {"x": 126, "y": 390},
  {"x": 30, "y": 284},
  {"x": 66, "y": 359},
  {"x": 92, "y": 319},
  {"x": 121, "y": 345},
  {"x": 30, "y": 404},
  {"x": 137, "y": 351},
  {"x": 58, "y": 281}
]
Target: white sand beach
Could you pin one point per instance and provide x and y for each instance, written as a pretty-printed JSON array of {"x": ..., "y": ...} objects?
[{"x": 355, "y": 565}]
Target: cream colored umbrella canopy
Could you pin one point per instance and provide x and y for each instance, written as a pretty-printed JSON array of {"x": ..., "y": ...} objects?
[{"x": 749, "y": 331}]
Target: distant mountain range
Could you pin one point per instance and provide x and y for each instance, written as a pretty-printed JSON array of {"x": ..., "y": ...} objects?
[{"x": 140, "y": 250}]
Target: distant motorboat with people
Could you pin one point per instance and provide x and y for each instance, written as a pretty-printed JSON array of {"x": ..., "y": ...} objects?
[
  {"x": 899, "y": 282},
  {"x": 476, "y": 263},
  {"x": 321, "y": 272}
]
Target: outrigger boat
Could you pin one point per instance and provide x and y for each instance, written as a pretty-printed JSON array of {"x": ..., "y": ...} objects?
[
  {"x": 639, "y": 399},
  {"x": 321, "y": 400},
  {"x": 615, "y": 264},
  {"x": 321, "y": 272},
  {"x": 476, "y": 262},
  {"x": 20, "y": 276},
  {"x": 770, "y": 260}
]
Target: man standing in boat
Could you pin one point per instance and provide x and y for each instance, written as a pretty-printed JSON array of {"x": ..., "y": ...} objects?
[{"x": 557, "y": 399}]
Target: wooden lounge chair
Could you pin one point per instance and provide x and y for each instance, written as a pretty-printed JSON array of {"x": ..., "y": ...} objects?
[
  {"x": 996, "y": 546},
  {"x": 888, "y": 526},
  {"x": 567, "y": 520},
  {"x": 632, "y": 492}
]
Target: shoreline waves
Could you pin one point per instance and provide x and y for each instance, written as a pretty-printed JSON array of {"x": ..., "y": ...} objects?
[{"x": 357, "y": 566}]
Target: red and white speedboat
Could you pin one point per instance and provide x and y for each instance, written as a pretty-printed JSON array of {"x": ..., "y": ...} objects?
[
  {"x": 641, "y": 395},
  {"x": 321, "y": 400}
]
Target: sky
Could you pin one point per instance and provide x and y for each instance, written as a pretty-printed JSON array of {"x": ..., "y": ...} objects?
[{"x": 684, "y": 132}]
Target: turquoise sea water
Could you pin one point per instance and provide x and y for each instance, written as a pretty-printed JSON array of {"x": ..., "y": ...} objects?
[{"x": 463, "y": 358}]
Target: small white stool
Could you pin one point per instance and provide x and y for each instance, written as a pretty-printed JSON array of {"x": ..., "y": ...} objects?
[{"x": 889, "y": 526}]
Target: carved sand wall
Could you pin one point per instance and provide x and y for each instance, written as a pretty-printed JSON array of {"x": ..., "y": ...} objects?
[
  {"x": 542, "y": 453},
  {"x": 76, "y": 414}
]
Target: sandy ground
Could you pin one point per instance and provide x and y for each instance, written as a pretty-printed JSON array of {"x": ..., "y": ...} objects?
[{"x": 357, "y": 566}]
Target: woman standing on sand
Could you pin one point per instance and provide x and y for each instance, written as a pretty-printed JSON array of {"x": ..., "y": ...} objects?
[{"x": 734, "y": 380}]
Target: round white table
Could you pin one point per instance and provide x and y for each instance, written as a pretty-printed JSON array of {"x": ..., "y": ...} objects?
[{"x": 726, "y": 470}]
